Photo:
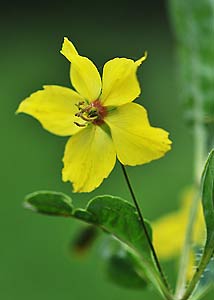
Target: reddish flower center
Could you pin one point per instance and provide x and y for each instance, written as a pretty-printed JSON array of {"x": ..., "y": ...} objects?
[
  {"x": 101, "y": 112},
  {"x": 94, "y": 112}
]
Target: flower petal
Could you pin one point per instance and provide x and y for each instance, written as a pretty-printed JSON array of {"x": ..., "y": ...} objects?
[
  {"x": 68, "y": 49},
  {"x": 136, "y": 142},
  {"x": 120, "y": 83},
  {"x": 169, "y": 233},
  {"x": 89, "y": 158},
  {"x": 174, "y": 224},
  {"x": 54, "y": 107},
  {"x": 84, "y": 75},
  {"x": 168, "y": 238}
]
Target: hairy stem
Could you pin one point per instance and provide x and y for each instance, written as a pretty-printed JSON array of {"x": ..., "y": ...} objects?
[
  {"x": 184, "y": 260},
  {"x": 200, "y": 149},
  {"x": 208, "y": 253}
]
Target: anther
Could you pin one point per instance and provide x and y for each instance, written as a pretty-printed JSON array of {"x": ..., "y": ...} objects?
[
  {"x": 88, "y": 119},
  {"x": 79, "y": 125}
]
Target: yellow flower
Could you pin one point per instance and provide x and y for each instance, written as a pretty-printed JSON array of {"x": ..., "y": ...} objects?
[
  {"x": 169, "y": 231},
  {"x": 100, "y": 118}
]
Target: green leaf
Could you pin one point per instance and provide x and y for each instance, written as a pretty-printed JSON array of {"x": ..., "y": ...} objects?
[
  {"x": 208, "y": 209},
  {"x": 119, "y": 218},
  {"x": 113, "y": 215},
  {"x": 208, "y": 196},
  {"x": 123, "y": 269},
  {"x": 49, "y": 203},
  {"x": 206, "y": 282},
  {"x": 84, "y": 215}
]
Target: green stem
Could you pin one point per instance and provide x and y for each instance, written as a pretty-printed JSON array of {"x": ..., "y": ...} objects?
[
  {"x": 208, "y": 253},
  {"x": 144, "y": 228},
  {"x": 183, "y": 268},
  {"x": 200, "y": 147}
]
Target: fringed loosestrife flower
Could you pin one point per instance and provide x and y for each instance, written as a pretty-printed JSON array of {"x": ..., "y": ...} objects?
[
  {"x": 169, "y": 231},
  {"x": 100, "y": 118}
]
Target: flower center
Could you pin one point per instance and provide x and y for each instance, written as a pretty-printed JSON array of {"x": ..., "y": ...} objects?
[{"x": 93, "y": 113}]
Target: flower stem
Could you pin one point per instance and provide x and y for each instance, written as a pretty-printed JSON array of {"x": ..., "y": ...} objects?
[
  {"x": 200, "y": 151},
  {"x": 200, "y": 270},
  {"x": 184, "y": 261},
  {"x": 144, "y": 228}
]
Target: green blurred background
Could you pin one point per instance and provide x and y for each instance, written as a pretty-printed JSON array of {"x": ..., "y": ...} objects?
[{"x": 35, "y": 260}]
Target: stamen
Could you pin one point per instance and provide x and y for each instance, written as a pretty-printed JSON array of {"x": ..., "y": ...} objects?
[
  {"x": 84, "y": 116},
  {"x": 92, "y": 112},
  {"x": 89, "y": 119},
  {"x": 80, "y": 104},
  {"x": 79, "y": 125}
]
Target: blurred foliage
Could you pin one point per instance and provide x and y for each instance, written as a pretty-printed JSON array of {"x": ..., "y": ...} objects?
[
  {"x": 194, "y": 29},
  {"x": 123, "y": 268}
]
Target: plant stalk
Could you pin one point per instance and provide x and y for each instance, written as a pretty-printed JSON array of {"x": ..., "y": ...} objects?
[
  {"x": 144, "y": 228},
  {"x": 200, "y": 151},
  {"x": 184, "y": 260},
  {"x": 208, "y": 253}
]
